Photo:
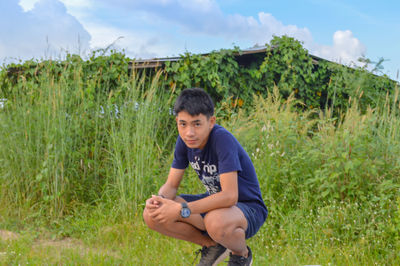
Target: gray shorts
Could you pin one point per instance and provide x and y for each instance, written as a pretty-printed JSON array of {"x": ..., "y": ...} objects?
[{"x": 252, "y": 212}]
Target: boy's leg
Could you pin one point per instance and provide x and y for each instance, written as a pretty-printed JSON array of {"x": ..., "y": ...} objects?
[
  {"x": 188, "y": 230},
  {"x": 227, "y": 226}
]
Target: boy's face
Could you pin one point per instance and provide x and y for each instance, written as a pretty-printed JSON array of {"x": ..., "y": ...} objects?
[{"x": 194, "y": 130}]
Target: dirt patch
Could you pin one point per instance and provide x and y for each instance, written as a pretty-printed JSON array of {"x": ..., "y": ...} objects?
[
  {"x": 62, "y": 243},
  {"x": 70, "y": 243},
  {"x": 58, "y": 245},
  {"x": 8, "y": 235}
]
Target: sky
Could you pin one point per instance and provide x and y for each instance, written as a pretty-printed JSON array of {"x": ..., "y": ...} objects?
[{"x": 337, "y": 30}]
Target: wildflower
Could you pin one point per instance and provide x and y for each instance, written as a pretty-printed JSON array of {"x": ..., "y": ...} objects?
[
  {"x": 270, "y": 127},
  {"x": 270, "y": 146}
]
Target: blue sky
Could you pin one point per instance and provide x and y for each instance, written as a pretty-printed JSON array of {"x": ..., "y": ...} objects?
[{"x": 339, "y": 30}]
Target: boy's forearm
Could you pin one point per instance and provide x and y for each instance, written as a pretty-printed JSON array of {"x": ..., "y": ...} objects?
[
  {"x": 219, "y": 200},
  {"x": 167, "y": 191},
  {"x": 226, "y": 198}
]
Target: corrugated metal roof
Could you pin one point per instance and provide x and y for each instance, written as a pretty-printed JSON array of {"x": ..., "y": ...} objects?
[
  {"x": 153, "y": 63},
  {"x": 159, "y": 62}
]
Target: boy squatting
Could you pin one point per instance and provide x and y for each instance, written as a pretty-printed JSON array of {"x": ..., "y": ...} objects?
[{"x": 231, "y": 210}]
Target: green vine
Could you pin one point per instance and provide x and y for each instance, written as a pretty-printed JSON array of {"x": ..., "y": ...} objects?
[{"x": 317, "y": 83}]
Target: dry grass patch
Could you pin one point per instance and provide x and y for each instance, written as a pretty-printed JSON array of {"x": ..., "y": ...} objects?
[
  {"x": 8, "y": 235},
  {"x": 61, "y": 246}
]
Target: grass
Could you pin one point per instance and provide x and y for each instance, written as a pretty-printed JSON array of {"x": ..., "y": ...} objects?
[
  {"x": 76, "y": 166},
  {"x": 131, "y": 243}
]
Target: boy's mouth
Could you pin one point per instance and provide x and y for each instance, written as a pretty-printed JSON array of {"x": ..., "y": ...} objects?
[{"x": 191, "y": 141}]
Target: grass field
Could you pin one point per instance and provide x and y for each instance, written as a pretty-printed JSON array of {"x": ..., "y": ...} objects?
[{"x": 131, "y": 243}]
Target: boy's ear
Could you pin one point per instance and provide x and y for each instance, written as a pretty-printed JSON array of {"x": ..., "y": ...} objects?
[{"x": 213, "y": 120}]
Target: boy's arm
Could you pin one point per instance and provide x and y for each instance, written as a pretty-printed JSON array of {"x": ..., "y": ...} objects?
[
  {"x": 159, "y": 207},
  {"x": 227, "y": 197},
  {"x": 170, "y": 187},
  {"x": 166, "y": 209}
]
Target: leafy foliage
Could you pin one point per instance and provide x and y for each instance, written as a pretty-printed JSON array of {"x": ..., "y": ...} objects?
[
  {"x": 216, "y": 72},
  {"x": 286, "y": 64},
  {"x": 108, "y": 71},
  {"x": 317, "y": 83}
]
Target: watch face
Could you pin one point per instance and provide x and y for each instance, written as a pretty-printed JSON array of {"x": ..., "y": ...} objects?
[{"x": 185, "y": 212}]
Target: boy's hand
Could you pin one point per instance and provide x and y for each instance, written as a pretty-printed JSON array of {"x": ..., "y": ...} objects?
[
  {"x": 152, "y": 204},
  {"x": 165, "y": 210}
]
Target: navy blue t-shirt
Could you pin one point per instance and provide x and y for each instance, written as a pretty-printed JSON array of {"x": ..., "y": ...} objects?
[{"x": 221, "y": 154}]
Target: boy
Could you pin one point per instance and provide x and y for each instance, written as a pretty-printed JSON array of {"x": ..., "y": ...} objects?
[{"x": 232, "y": 210}]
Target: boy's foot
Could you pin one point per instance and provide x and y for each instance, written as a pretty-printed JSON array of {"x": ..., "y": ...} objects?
[
  {"x": 212, "y": 255},
  {"x": 236, "y": 260}
]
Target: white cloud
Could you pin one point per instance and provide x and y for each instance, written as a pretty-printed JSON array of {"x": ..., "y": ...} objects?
[
  {"x": 156, "y": 28},
  {"x": 205, "y": 17},
  {"x": 267, "y": 26},
  {"x": 135, "y": 44},
  {"x": 27, "y": 4},
  {"x": 346, "y": 48},
  {"x": 44, "y": 31}
]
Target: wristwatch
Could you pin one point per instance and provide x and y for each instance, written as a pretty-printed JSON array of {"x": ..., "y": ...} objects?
[{"x": 185, "y": 211}]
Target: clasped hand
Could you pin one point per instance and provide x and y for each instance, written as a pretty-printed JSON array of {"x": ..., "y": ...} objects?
[{"x": 163, "y": 210}]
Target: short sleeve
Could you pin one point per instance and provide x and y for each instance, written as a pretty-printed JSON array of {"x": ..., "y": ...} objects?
[
  {"x": 180, "y": 155},
  {"x": 227, "y": 149}
]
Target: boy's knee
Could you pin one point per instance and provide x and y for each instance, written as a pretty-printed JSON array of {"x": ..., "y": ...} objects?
[
  {"x": 153, "y": 224},
  {"x": 218, "y": 233},
  {"x": 216, "y": 229},
  {"x": 148, "y": 220}
]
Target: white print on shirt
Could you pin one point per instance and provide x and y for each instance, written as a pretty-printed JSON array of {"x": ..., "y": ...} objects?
[
  {"x": 195, "y": 166},
  {"x": 210, "y": 168},
  {"x": 211, "y": 183},
  {"x": 209, "y": 175}
]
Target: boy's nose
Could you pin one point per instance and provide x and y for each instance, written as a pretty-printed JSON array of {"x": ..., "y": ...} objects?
[{"x": 190, "y": 131}]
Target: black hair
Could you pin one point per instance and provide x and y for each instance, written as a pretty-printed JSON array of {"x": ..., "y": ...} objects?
[{"x": 195, "y": 101}]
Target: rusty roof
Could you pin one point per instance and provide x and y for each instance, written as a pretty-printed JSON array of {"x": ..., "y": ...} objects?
[{"x": 249, "y": 53}]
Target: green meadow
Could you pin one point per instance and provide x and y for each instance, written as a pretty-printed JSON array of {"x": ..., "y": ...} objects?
[{"x": 78, "y": 160}]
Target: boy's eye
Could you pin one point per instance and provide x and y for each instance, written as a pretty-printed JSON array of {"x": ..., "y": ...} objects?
[{"x": 197, "y": 124}]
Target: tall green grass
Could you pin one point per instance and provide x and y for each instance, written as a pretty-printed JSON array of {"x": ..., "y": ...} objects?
[
  {"x": 64, "y": 144},
  {"x": 327, "y": 180},
  {"x": 140, "y": 134}
]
